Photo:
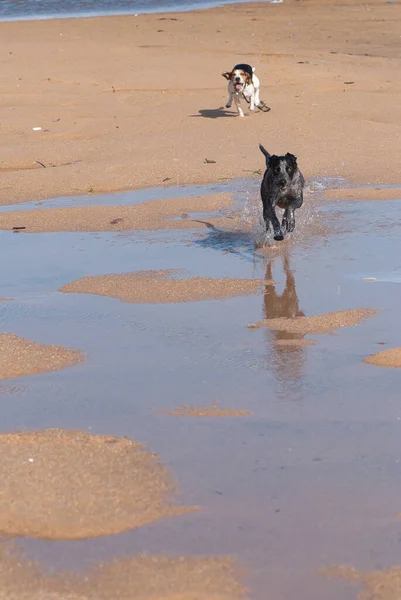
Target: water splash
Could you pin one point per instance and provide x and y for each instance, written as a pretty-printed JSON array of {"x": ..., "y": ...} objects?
[
  {"x": 318, "y": 185},
  {"x": 309, "y": 219}
]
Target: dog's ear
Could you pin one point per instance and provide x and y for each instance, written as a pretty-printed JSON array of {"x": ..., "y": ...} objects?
[
  {"x": 227, "y": 74},
  {"x": 265, "y": 152},
  {"x": 248, "y": 79},
  {"x": 291, "y": 158}
]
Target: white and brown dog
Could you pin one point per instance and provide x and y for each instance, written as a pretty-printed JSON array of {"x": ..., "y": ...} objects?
[{"x": 243, "y": 83}]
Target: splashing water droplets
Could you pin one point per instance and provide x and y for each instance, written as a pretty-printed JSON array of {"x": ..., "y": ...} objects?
[
  {"x": 307, "y": 217},
  {"x": 252, "y": 216}
]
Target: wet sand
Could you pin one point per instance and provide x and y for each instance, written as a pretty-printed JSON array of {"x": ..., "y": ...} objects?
[
  {"x": 327, "y": 70},
  {"x": 311, "y": 462},
  {"x": 376, "y": 585},
  {"x": 308, "y": 463},
  {"x": 20, "y": 357},
  {"x": 151, "y": 577},
  {"x": 169, "y": 213},
  {"x": 214, "y": 410},
  {"x": 319, "y": 324},
  {"x": 145, "y": 577},
  {"x": 386, "y": 358},
  {"x": 72, "y": 485},
  {"x": 159, "y": 287}
]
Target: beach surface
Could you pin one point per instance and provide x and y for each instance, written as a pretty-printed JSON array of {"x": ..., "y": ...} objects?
[
  {"x": 190, "y": 410},
  {"x": 134, "y": 101}
]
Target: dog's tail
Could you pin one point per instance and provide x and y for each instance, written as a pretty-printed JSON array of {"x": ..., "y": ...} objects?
[
  {"x": 253, "y": 69},
  {"x": 264, "y": 151}
]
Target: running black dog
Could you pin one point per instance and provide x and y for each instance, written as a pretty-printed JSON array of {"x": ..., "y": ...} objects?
[{"x": 282, "y": 186}]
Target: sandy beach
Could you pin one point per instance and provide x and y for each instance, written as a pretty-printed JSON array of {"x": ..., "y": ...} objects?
[
  {"x": 133, "y": 101},
  {"x": 190, "y": 410}
]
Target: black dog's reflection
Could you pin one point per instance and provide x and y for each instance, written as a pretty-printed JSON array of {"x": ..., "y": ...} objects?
[{"x": 286, "y": 350}]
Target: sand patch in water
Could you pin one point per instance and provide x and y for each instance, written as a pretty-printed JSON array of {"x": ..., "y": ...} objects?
[
  {"x": 149, "y": 577},
  {"x": 19, "y": 357},
  {"x": 59, "y": 484},
  {"x": 169, "y": 213},
  {"x": 141, "y": 577},
  {"x": 213, "y": 410},
  {"x": 386, "y": 358},
  {"x": 377, "y": 585},
  {"x": 160, "y": 287},
  {"x": 325, "y": 323}
]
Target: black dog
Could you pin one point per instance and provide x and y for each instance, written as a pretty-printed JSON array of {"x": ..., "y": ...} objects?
[{"x": 282, "y": 186}]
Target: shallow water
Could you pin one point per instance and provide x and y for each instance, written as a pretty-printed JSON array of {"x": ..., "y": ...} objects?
[
  {"x": 13, "y": 10},
  {"x": 312, "y": 478}
]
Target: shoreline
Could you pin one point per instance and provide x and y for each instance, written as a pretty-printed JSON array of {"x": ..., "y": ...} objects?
[
  {"x": 106, "y": 126},
  {"x": 203, "y": 5}
]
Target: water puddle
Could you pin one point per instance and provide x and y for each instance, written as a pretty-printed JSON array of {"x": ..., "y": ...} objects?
[
  {"x": 311, "y": 477},
  {"x": 241, "y": 189}
]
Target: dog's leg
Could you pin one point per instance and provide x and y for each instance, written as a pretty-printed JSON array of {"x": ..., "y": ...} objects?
[
  {"x": 266, "y": 219},
  {"x": 230, "y": 99},
  {"x": 257, "y": 98},
  {"x": 288, "y": 220},
  {"x": 238, "y": 105},
  {"x": 252, "y": 102},
  {"x": 269, "y": 215},
  {"x": 289, "y": 215},
  {"x": 277, "y": 233}
]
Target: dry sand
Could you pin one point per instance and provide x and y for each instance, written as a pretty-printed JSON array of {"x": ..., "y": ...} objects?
[
  {"x": 59, "y": 484},
  {"x": 321, "y": 323},
  {"x": 214, "y": 410},
  {"x": 329, "y": 70},
  {"x": 159, "y": 287},
  {"x": 138, "y": 578},
  {"x": 386, "y": 358},
  {"x": 155, "y": 214},
  {"x": 376, "y": 585},
  {"x": 19, "y": 357}
]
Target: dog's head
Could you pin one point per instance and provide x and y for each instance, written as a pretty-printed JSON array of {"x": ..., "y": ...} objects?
[
  {"x": 239, "y": 79},
  {"x": 282, "y": 169}
]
